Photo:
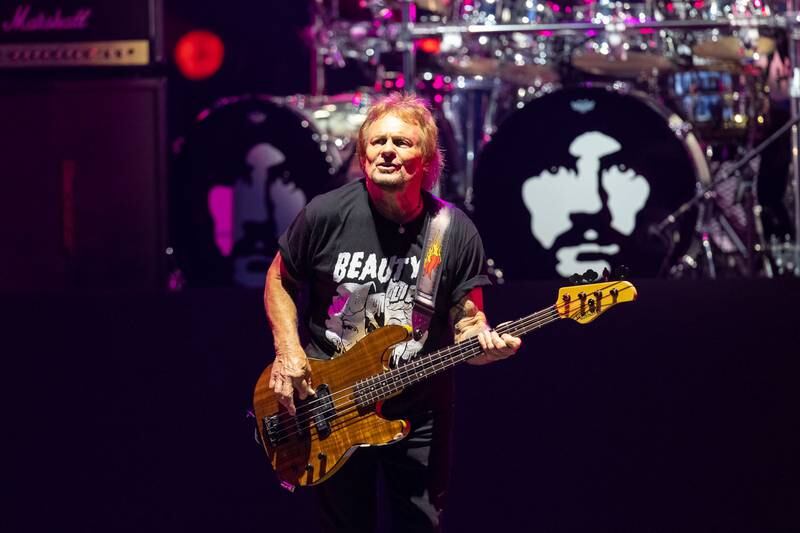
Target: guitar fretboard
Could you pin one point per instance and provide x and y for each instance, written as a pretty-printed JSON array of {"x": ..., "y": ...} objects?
[{"x": 381, "y": 386}]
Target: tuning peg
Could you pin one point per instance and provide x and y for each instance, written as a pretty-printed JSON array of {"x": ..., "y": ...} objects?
[
  {"x": 576, "y": 279},
  {"x": 589, "y": 276},
  {"x": 606, "y": 274}
]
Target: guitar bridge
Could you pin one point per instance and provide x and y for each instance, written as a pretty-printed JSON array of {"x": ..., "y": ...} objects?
[{"x": 271, "y": 429}]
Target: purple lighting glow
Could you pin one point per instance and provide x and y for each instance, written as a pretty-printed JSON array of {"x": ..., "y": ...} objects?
[{"x": 220, "y": 205}]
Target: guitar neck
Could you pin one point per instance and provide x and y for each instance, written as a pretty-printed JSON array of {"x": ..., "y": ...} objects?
[{"x": 384, "y": 385}]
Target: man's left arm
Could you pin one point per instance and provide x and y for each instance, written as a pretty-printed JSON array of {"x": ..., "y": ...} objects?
[{"x": 469, "y": 320}]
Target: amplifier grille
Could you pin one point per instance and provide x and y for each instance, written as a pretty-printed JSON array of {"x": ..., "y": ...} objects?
[{"x": 99, "y": 53}]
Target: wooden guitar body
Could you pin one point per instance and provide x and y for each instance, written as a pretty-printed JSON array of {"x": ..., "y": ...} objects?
[{"x": 309, "y": 454}]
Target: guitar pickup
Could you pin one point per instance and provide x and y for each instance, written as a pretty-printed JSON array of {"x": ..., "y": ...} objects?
[{"x": 320, "y": 409}]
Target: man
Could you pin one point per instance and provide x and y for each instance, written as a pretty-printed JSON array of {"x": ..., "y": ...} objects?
[{"x": 358, "y": 252}]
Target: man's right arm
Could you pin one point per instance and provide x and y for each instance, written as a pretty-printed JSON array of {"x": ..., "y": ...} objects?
[{"x": 290, "y": 369}]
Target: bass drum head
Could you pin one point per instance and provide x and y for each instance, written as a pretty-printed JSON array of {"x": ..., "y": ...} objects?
[
  {"x": 576, "y": 179},
  {"x": 241, "y": 174}
]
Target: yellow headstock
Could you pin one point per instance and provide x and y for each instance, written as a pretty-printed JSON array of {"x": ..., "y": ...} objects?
[{"x": 584, "y": 303}]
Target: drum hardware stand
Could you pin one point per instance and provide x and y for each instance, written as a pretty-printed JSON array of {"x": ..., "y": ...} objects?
[
  {"x": 574, "y": 28},
  {"x": 702, "y": 200},
  {"x": 471, "y": 147},
  {"x": 405, "y": 43},
  {"x": 747, "y": 196},
  {"x": 470, "y": 150},
  {"x": 793, "y": 32},
  {"x": 319, "y": 47}
]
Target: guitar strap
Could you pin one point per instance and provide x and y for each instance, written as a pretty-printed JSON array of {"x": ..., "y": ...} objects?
[{"x": 433, "y": 256}]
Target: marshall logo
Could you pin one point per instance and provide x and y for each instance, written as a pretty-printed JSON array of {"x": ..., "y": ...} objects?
[{"x": 24, "y": 20}]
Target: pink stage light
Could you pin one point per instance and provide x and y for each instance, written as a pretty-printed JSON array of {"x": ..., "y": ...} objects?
[{"x": 220, "y": 204}]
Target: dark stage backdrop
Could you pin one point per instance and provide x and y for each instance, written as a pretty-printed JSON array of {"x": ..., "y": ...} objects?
[{"x": 126, "y": 411}]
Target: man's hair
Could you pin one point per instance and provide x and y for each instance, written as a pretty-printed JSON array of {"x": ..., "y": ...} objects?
[{"x": 414, "y": 110}]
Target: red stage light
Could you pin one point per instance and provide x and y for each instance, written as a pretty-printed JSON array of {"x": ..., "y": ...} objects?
[
  {"x": 429, "y": 45},
  {"x": 199, "y": 54}
]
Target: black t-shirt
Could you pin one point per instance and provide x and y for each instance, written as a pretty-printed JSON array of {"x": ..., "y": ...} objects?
[{"x": 361, "y": 269}]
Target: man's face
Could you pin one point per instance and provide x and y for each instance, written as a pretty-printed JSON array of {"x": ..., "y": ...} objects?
[{"x": 393, "y": 156}]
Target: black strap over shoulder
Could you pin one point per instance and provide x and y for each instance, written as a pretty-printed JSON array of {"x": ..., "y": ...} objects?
[{"x": 433, "y": 255}]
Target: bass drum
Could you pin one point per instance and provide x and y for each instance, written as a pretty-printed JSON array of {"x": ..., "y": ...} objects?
[
  {"x": 240, "y": 175},
  {"x": 576, "y": 179}
]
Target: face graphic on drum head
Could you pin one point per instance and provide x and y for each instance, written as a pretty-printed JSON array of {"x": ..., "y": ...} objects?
[
  {"x": 250, "y": 216},
  {"x": 242, "y": 174},
  {"x": 552, "y": 199},
  {"x": 574, "y": 179}
]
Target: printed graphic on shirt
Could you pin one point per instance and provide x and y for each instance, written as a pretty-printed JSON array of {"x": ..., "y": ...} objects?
[{"x": 380, "y": 297}]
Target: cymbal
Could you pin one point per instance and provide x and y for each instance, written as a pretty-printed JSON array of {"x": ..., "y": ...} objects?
[
  {"x": 472, "y": 66},
  {"x": 732, "y": 48},
  {"x": 717, "y": 65},
  {"x": 434, "y": 6},
  {"x": 523, "y": 75},
  {"x": 635, "y": 64}
]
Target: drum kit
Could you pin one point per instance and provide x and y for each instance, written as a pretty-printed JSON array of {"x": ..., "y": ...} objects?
[{"x": 577, "y": 133}]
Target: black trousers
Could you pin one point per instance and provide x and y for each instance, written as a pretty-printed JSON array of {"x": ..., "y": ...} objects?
[{"x": 413, "y": 474}]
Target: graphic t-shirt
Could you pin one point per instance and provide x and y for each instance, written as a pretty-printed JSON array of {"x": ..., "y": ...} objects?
[{"x": 361, "y": 271}]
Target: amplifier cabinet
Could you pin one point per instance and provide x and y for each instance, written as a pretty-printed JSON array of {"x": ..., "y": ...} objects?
[{"x": 82, "y": 183}]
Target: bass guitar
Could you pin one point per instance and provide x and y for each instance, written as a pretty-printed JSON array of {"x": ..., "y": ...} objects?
[{"x": 309, "y": 447}]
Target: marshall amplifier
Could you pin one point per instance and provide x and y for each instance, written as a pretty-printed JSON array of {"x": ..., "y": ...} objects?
[{"x": 80, "y": 33}]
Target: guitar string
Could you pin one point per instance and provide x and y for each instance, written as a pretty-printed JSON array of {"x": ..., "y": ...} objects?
[
  {"x": 417, "y": 364},
  {"x": 423, "y": 364},
  {"x": 420, "y": 364},
  {"x": 414, "y": 365},
  {"x": 466, "y": 354},
  {"x": 341, "y": 409},
  {"x": 338, "y": 423},
  {"x": 440, "y": 357},
  {"x": 534, "y": 315}
]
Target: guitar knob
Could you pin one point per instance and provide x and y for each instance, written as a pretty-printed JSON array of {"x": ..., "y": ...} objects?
[
  {"x": 321, "y": 456},
  {"x": 309, "y": 467}
]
